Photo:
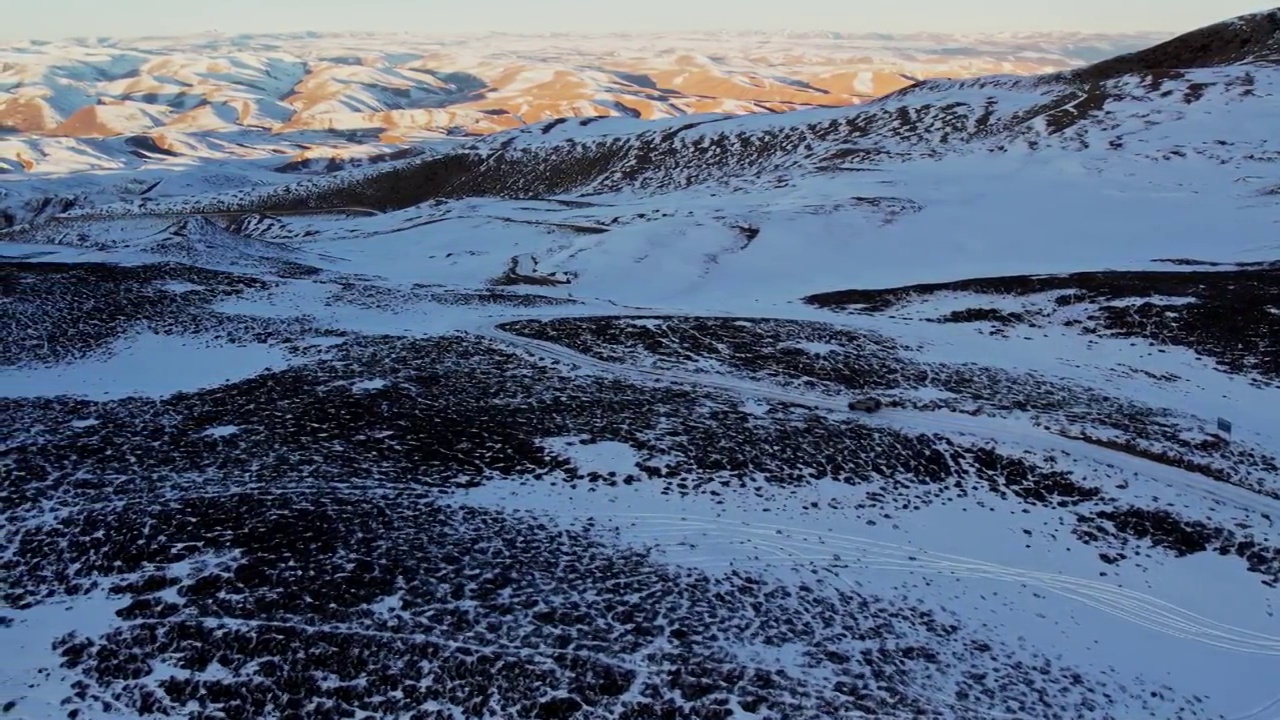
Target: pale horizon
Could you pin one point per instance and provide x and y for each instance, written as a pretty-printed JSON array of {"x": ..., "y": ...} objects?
[{"x": 150, "y": 18}]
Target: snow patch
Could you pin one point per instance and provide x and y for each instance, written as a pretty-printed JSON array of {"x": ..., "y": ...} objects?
[
  {"x": 31, "y": 675},
  {"x": 601, "y": 457},
  {"x": 221, "y": 431},
  {"x": 180, "y": 287},
  {"x": 148, "y": 365},
  {"x": 815, "y": 348}
]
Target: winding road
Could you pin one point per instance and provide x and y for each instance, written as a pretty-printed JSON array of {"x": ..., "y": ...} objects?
[
  {"x": 708, "y": 543},
  {"x": 1267, "y": 509},
  {"x": 363, "y": 211}
]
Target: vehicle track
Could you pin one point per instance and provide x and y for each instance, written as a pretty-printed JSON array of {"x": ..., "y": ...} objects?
[
  {"x": 772, "y": 544},
  {"x": 1267, "y": 509},
  {"x": 362, "y": 211}
]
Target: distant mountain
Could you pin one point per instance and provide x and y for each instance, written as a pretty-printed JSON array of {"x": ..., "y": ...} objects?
[
  {"x": 1210, "y": 107},
  {"x": 356, "y": 89}
]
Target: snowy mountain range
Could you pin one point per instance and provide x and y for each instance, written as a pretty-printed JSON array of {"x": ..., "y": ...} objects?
[
  {"x": 107, "y": 103},
  {"x": 555, "y": 422}
]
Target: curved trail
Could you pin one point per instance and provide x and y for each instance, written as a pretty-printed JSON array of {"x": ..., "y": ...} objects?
[
  {"x": 842, "y": 557},
  {"x": 762, "y": 545},
  {"x": 917, "y": 421},
  {"x": 361, "y": 211}
]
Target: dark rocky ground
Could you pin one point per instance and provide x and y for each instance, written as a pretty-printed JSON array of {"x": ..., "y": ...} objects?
[
  {"x": 321, "y": 604},
  {"x": 864, "y": 362},
  {"x": 313, "y": 563},
  {"x": 58, "y": 312},
  {"x": 1231, "y": 315},
  {"x": 315, "y": 560}
]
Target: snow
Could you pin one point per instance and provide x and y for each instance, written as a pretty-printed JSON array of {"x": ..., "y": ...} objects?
[
  {"x": 147, "y": 365},
  {"x": 1061, "y": 353},
  {"x": 221, "y": 431},
  {"x": 31, "y": 673},
  {"x": 816, "y": 348},
  {"x": 180, "y": 287},
  {"x": 984, "y": 216},
  {"x": 256, "y": 84},
  {"x": 1202, "y": 624},
  {"x": 956, "y": 557},
  {"x": 1012, "y": 427}
]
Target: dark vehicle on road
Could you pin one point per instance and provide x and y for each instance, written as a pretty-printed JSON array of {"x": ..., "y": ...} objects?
[{"x": 866, "y": 404}]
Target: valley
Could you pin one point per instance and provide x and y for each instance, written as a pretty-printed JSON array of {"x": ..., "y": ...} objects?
[{"x": 554, "y": 423}]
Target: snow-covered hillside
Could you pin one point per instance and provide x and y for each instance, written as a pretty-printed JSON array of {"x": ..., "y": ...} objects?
[
  {"x": 112, "y": 104},
  {"x": 555, "y": 423}
]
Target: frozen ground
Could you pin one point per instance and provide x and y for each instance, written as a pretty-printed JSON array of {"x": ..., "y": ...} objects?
[
  {"x": 586, "y": 452},
  {"x": 149, "y": 365}
]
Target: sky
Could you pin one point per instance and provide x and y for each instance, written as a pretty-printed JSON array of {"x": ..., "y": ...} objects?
[{"x": 28, "y": 19}]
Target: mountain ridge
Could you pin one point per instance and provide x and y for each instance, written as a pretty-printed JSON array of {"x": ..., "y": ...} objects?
[
  {"x": 959, "y": 402},
  {"x": 1053, "y": 106},
  {"x": 401, "y": 89}
]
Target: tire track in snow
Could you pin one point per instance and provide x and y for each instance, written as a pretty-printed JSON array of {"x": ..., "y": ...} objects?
[
  {"x": 787, "y": 545},
  {"x": 812, "y": 552},
  {"x": 917, "y": 421},
  {"x": 815, "y": 551}
]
